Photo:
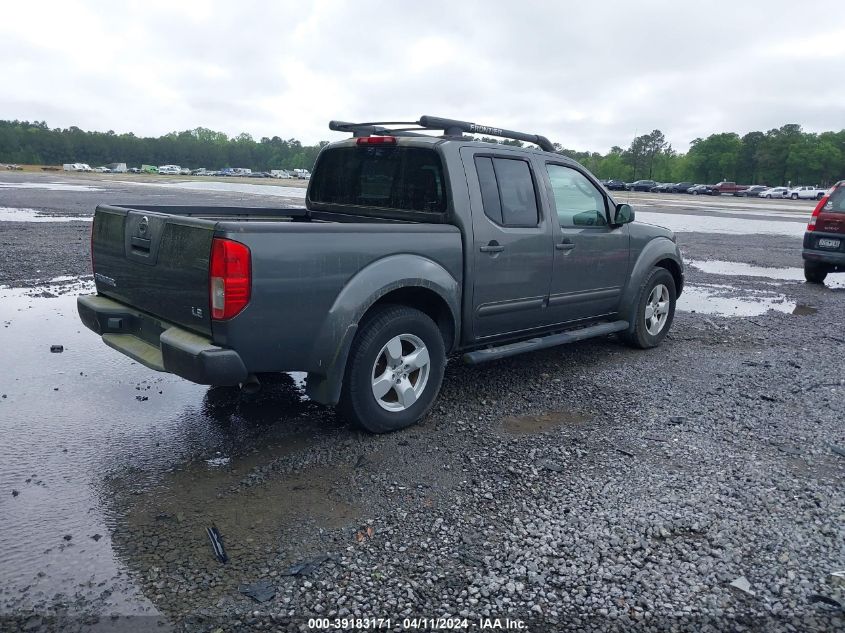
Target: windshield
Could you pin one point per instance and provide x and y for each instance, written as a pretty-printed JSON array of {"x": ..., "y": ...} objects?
[{"x": 390, "y": 177}]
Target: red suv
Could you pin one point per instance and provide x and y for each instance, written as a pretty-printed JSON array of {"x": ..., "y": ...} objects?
[{"x": 824, "y": 241}]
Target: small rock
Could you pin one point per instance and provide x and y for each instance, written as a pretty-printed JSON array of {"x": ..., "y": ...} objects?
[{"x": 57, "y": 349}]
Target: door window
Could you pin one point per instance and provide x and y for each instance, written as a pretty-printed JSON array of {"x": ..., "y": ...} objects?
[
  {"x": 578, "y": 202},
  {"x": 507, "y": 191}
]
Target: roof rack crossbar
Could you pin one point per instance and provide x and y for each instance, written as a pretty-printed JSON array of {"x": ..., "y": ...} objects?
[{"x": 450, "y": 127}]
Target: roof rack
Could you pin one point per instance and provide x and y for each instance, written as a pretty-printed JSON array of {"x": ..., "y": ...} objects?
[{"x": 450, "y": 127}]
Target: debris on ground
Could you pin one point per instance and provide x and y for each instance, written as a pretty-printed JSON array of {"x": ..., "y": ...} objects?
[
  {"x": 67, "y": 537},
  {"x": 817, "y": 598},
  {"x": 364, "y": 532},
  {"x": 838, "y": 450},
  {"x": 57, "y": 349},
  {"x": 837, "y": 578},
  {"x": 743, "y": 585},
  {"x": 548, "y": 464},
  {"x": 96, "y": 537},
  {"x": 624, "y": 451},
  {"x": 217, "y": 543},
  {"x": 260, "y": 591},
  {"x": 306, "y": 567},
  {"x": 15, "y": 493}
]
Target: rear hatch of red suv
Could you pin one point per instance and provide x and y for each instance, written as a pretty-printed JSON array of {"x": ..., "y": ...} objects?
[{"x": 824, "y": 240}]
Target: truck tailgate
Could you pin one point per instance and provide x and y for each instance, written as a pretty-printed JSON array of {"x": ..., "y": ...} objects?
[{"x": 155, "y": 262}]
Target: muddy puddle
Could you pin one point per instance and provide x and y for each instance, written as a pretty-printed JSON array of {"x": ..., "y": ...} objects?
[
  {"x": 228, "y": 187},
  {"x": 50, "y": 186},
  {"x": 540, "y": 423},
  {"x": 740, "y": 269},
  {"x": 721, "y": 224},
  {"x": 84, "y": 427},
  {"x": 13, "y": 214},
  {"x": 722, "y": 300}
]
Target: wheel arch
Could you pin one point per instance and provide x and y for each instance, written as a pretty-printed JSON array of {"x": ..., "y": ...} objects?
[{"x": 406, "y": 279}]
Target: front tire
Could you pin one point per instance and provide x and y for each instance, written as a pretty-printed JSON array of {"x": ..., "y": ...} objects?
[
  {"x": 394, "y": 371},
  {"x": 795, "y": 196},
  {"x": 655, "y": 310},
  {"x": 815, "y": 273}
]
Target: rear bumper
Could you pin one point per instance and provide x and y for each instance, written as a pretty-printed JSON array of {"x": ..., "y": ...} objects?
[
  {"x": 812, "y": 253},
  {"x": 160, "y": 345}
]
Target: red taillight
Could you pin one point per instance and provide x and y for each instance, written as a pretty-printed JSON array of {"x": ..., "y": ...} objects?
[
  {"x": 376, "y": 140},
  {"x": 230, "y": 278},
  {"x": 811, "y": 225}
]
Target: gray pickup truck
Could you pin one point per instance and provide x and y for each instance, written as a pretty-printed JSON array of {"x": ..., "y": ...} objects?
[{"x": 411, "y": 248}]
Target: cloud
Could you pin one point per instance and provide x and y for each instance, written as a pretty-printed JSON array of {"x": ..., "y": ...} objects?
[{"x": 588, "y": 77}]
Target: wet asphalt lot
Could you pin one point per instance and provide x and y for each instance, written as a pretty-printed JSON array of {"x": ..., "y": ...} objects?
[{"x": 585, "y": 487}]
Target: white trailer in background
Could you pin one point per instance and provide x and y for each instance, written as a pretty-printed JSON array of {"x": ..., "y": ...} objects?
[{"x": 117, "y": 168}]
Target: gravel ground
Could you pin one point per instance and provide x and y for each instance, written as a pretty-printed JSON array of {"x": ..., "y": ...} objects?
[{"x": 589, "y": 487}]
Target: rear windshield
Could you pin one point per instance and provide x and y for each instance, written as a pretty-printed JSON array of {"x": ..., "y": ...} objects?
[
  {"x": 389, "y": 177},
  {"x": 836, "y": 203}
]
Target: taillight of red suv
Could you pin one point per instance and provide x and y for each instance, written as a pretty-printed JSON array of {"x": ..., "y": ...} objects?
[{"x": 811, "y": 225}]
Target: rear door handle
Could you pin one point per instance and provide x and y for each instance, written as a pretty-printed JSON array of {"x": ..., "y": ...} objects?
[
  {"x": 492, "y": 247},
  {"x": 565, "y": 245}
]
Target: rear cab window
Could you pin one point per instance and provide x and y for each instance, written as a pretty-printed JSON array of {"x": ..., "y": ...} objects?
[
  {"x": 507, "y": 191},
  {"x": 381, "y": 177}
]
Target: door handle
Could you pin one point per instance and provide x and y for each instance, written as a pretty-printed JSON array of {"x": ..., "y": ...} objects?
[
  {"x": 492, "y": 247},
  {"x": 565, "y": 245}
]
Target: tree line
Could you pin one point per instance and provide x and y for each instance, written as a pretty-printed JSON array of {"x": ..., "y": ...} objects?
[
  {"x": 37, "y": 144},
  {"x": 777, "y": 157}
]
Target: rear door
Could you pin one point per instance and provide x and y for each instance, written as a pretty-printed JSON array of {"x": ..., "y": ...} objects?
[
  {"x": 155, "y": 262},
  {"x": 512, "y": 244},
  {"x": 591, "y": 258}
]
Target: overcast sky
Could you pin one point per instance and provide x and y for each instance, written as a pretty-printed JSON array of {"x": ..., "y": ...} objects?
[{"x": 588, "y": 75}]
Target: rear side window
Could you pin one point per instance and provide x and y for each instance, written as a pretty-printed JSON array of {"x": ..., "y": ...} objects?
[
  {"x": 836, "y": 203},
  {"x": 403, "y": 178},
  {"x": 507, "y": 191}
]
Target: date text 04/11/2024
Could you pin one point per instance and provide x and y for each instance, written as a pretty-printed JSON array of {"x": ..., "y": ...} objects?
[{"x": 410, "y": 624}]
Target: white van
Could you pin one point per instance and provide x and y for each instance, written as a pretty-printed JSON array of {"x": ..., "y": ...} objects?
[{"x": 173, "y": 170}]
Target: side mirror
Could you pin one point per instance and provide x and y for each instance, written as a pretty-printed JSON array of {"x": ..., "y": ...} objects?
[{"x": 624, "y": 214}]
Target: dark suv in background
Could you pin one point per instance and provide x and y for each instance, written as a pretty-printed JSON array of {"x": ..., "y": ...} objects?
[
  {"x": 824, "y": 240},
  {"x": 641, "y": 185}
]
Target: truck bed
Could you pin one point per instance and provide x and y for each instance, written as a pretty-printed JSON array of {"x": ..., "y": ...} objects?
[{"x": 155, "y": 259}]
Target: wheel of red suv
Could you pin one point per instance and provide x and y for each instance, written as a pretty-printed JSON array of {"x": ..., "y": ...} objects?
[
  {"x": 655, "y": 310},
  {"x": 814, "y": 273},
  {"x": 394, "y": 371}
]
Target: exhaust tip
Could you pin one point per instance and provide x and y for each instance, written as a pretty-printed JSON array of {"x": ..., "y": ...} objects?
[{"x": 251, "y": 385}]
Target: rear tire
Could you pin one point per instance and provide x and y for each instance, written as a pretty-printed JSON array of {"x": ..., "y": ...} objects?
[
  {"x": 394, "y": 371},
  {"x": 814, "y": 273},
  {"x": 655, "y": 311}
]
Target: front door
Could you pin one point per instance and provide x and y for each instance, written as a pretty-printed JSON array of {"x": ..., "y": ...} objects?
[
  {"x": 512, "y": 243},
  {"x": 590, "y": 256}
]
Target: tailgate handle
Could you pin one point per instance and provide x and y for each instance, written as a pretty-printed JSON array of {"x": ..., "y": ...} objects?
[{"x": 140, "y": 244}]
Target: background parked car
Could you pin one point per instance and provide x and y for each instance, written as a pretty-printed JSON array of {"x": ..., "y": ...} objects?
[
  {"x": 726, "y": 186},
  {"x": 280, "y": 173},
  {"x": 773, "y": 192},
  {"x": 806, "y": 193},
  {"x": 615, "y": 185},
  {"x": 752, "y": 191},
  {"x": 641, "y": 185},
  {"x": 680, "y": 187},
  {"x": 700, "y": 190},
  {"x": 172, "y": 170},
  {"x": 661, "y": 188}
]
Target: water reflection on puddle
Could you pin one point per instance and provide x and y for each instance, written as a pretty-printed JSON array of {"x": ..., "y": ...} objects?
[
  {"x": 739, "y": 269},
  {"x": 13, "y": 214},
  {"x": 726, "y": 301},
  {"x": 731, "y": 226},
  {"x": 50, "y": 186}
]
